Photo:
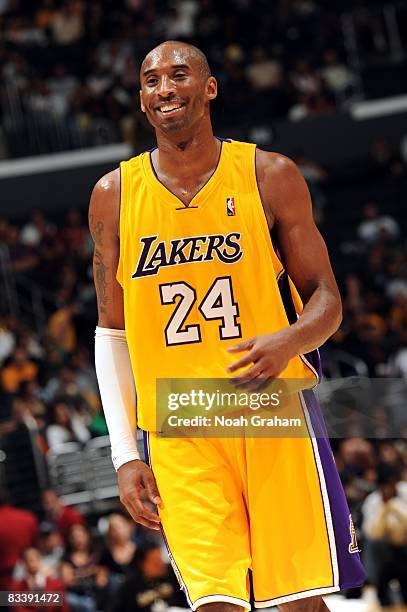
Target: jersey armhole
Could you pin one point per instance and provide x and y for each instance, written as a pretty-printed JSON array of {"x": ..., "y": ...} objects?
[
  {"x": 122, "y": 216},
  {"x": 261, "y": 215}
]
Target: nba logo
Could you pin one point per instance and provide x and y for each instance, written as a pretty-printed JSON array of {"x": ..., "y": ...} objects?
[{"x": 230, "y": 207}]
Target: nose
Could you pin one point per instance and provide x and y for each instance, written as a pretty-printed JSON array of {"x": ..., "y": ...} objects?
[{"x": 165, "y": 87}]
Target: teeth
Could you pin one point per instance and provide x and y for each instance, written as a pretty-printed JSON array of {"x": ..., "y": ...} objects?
[{"x": 166, "y": 109}]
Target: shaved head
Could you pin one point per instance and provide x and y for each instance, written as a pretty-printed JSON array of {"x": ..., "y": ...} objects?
[
  {"x": 190, "y": 51},
  {"x": 176, "y": 87}
]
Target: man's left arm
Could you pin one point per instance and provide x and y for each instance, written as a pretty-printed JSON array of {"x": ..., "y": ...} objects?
[{"x": 288, "y": 208}]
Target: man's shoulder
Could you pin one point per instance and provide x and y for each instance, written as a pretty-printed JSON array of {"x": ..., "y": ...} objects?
[
  {"x": 268, "y": 163},
  {"x": 275, "y": 164},
  {"x": 108, "y": 182},
  {"x": 105, "y": 204},
  {"x": 281, "y": 184}
]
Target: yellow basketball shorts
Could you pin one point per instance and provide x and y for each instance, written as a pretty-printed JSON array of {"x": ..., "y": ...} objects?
[{"x": 275, "y": 506}]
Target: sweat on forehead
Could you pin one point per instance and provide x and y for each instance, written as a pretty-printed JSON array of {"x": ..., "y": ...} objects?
[{"x": 180, "y": 52}]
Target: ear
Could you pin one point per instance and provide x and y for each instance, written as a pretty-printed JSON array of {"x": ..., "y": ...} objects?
[
  {"x": 211, "y": 88},
  {"x": 143, "y": 108}
]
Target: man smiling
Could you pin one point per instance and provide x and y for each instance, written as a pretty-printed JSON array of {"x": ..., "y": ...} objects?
[{"x": 274, "y": 506}]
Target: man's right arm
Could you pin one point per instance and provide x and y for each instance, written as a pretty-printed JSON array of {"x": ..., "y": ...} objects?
[
  {"x": 104, "y": 214},
  {"x": 113, "y": 366}
]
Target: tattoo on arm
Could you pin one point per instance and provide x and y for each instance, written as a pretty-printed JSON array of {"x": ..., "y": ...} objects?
[
  {"x": 100, "y": 278},
  {"x": 99, "y": 227},
  {"x": 96, "y": 230}
]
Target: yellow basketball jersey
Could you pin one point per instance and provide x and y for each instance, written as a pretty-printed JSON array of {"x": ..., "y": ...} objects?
[{"x": 196, "y": 279}]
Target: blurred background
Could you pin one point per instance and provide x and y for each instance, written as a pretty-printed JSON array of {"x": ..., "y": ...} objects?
[{"x": 323, "y": 82}]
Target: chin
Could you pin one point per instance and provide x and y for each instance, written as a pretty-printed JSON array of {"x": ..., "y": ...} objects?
[{"x": 173, "y": 127}]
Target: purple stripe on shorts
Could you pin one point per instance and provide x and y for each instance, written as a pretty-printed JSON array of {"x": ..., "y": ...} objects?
[{"x": 351, "y": 571}]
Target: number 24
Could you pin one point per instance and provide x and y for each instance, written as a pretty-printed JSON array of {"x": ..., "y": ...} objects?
[{"x": 218, "y": 303}]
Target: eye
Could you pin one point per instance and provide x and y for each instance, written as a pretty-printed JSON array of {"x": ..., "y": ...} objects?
[
  {"x": 179, "y": 75},
  {"x": 151, "y": 81}
]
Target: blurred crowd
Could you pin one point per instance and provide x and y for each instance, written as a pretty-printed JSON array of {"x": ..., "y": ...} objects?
[
  {"x": 73, "y": 64},
  {"x": 48, "y": 379},
  {"x": 111, "y": 566},
  {"x": 371, "y": 263}
]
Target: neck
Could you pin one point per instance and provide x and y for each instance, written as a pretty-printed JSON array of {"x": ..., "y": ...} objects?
[{"x": 189, "y": 153}]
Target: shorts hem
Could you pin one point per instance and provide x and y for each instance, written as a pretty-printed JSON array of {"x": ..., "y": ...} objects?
[
  {"x": 225, "y": 598},
  {"x": 294, "y": 596}
]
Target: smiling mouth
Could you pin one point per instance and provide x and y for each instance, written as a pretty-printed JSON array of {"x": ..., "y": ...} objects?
[{"x": 170, "y": 109}]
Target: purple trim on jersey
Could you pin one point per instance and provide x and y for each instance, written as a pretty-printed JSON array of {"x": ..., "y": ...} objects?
[
  {"x": 146, "y": 454},
  {"x": 351, "y": 572},
  {"x": 315, "y": 360},
  {"x": 284, "y": 286}
]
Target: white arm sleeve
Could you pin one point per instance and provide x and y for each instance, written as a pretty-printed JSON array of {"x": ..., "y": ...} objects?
[{"x": 118, "y": 392}]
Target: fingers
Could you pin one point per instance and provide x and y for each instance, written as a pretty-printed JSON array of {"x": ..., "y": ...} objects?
[
  {"x": 243, "y": 361},
  {"x": 143, "y": 521},
  {"x": 242, "y": 346},
  {"x": 253, "y": 372},
  {"x": 140, "y": 513},
  {"x": 152, "y": 489},
  {"x": 257, "y": 384}
]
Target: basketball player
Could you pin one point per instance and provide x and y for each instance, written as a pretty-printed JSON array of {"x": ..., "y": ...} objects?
[{"x": 189, "y": 285}]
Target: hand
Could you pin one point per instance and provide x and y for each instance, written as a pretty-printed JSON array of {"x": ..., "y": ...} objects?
[
  {"x": 136, "y": 478},
  {"x": 268, "y": 355}
]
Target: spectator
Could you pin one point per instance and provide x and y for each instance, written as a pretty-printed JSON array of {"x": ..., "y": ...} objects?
[
  {"x": 384, "y": 160},
  {"x": 29, "y": 397},
  {"x": 75, "y": 233},
  {"x": 264, "y": 73},
  {"x": 23, "y": 258},
  {"x": 315, "y": 176},
  {"x": 385, "y": 527},
  {"x": 304, "y": 79},
  {"x": 34, "y": 232},
  {"x": 84, "y": 372},
  {"x": 152, "y": 584},
  {"x": 36, "y": 579},
  {"x": 179, "y": 21},
  {"x": 20, "y": 369},
  {"x": 336, "y": 75},
  {"x": 113, "y": 56},
  {"x": 61, "y": 329},
  {"x": 67, "y": 24},
  {"x": 18, "y": 530},
  {"x": 80, "y": 571},
  {"x": 50, "y": 545},
  {"x": 7, "y": 340},
  {"x": 67, "y": 426},
  {"x": 62, "y": 86},
  {"x": 374, "y": 224},
  {"x": 119, "y": 552},
  {"x": 60, "y": 516},
  {"x": 22, "y": 414},
  {"x": 29, "y": 341},
  {"x": 45, "y": 14}
]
